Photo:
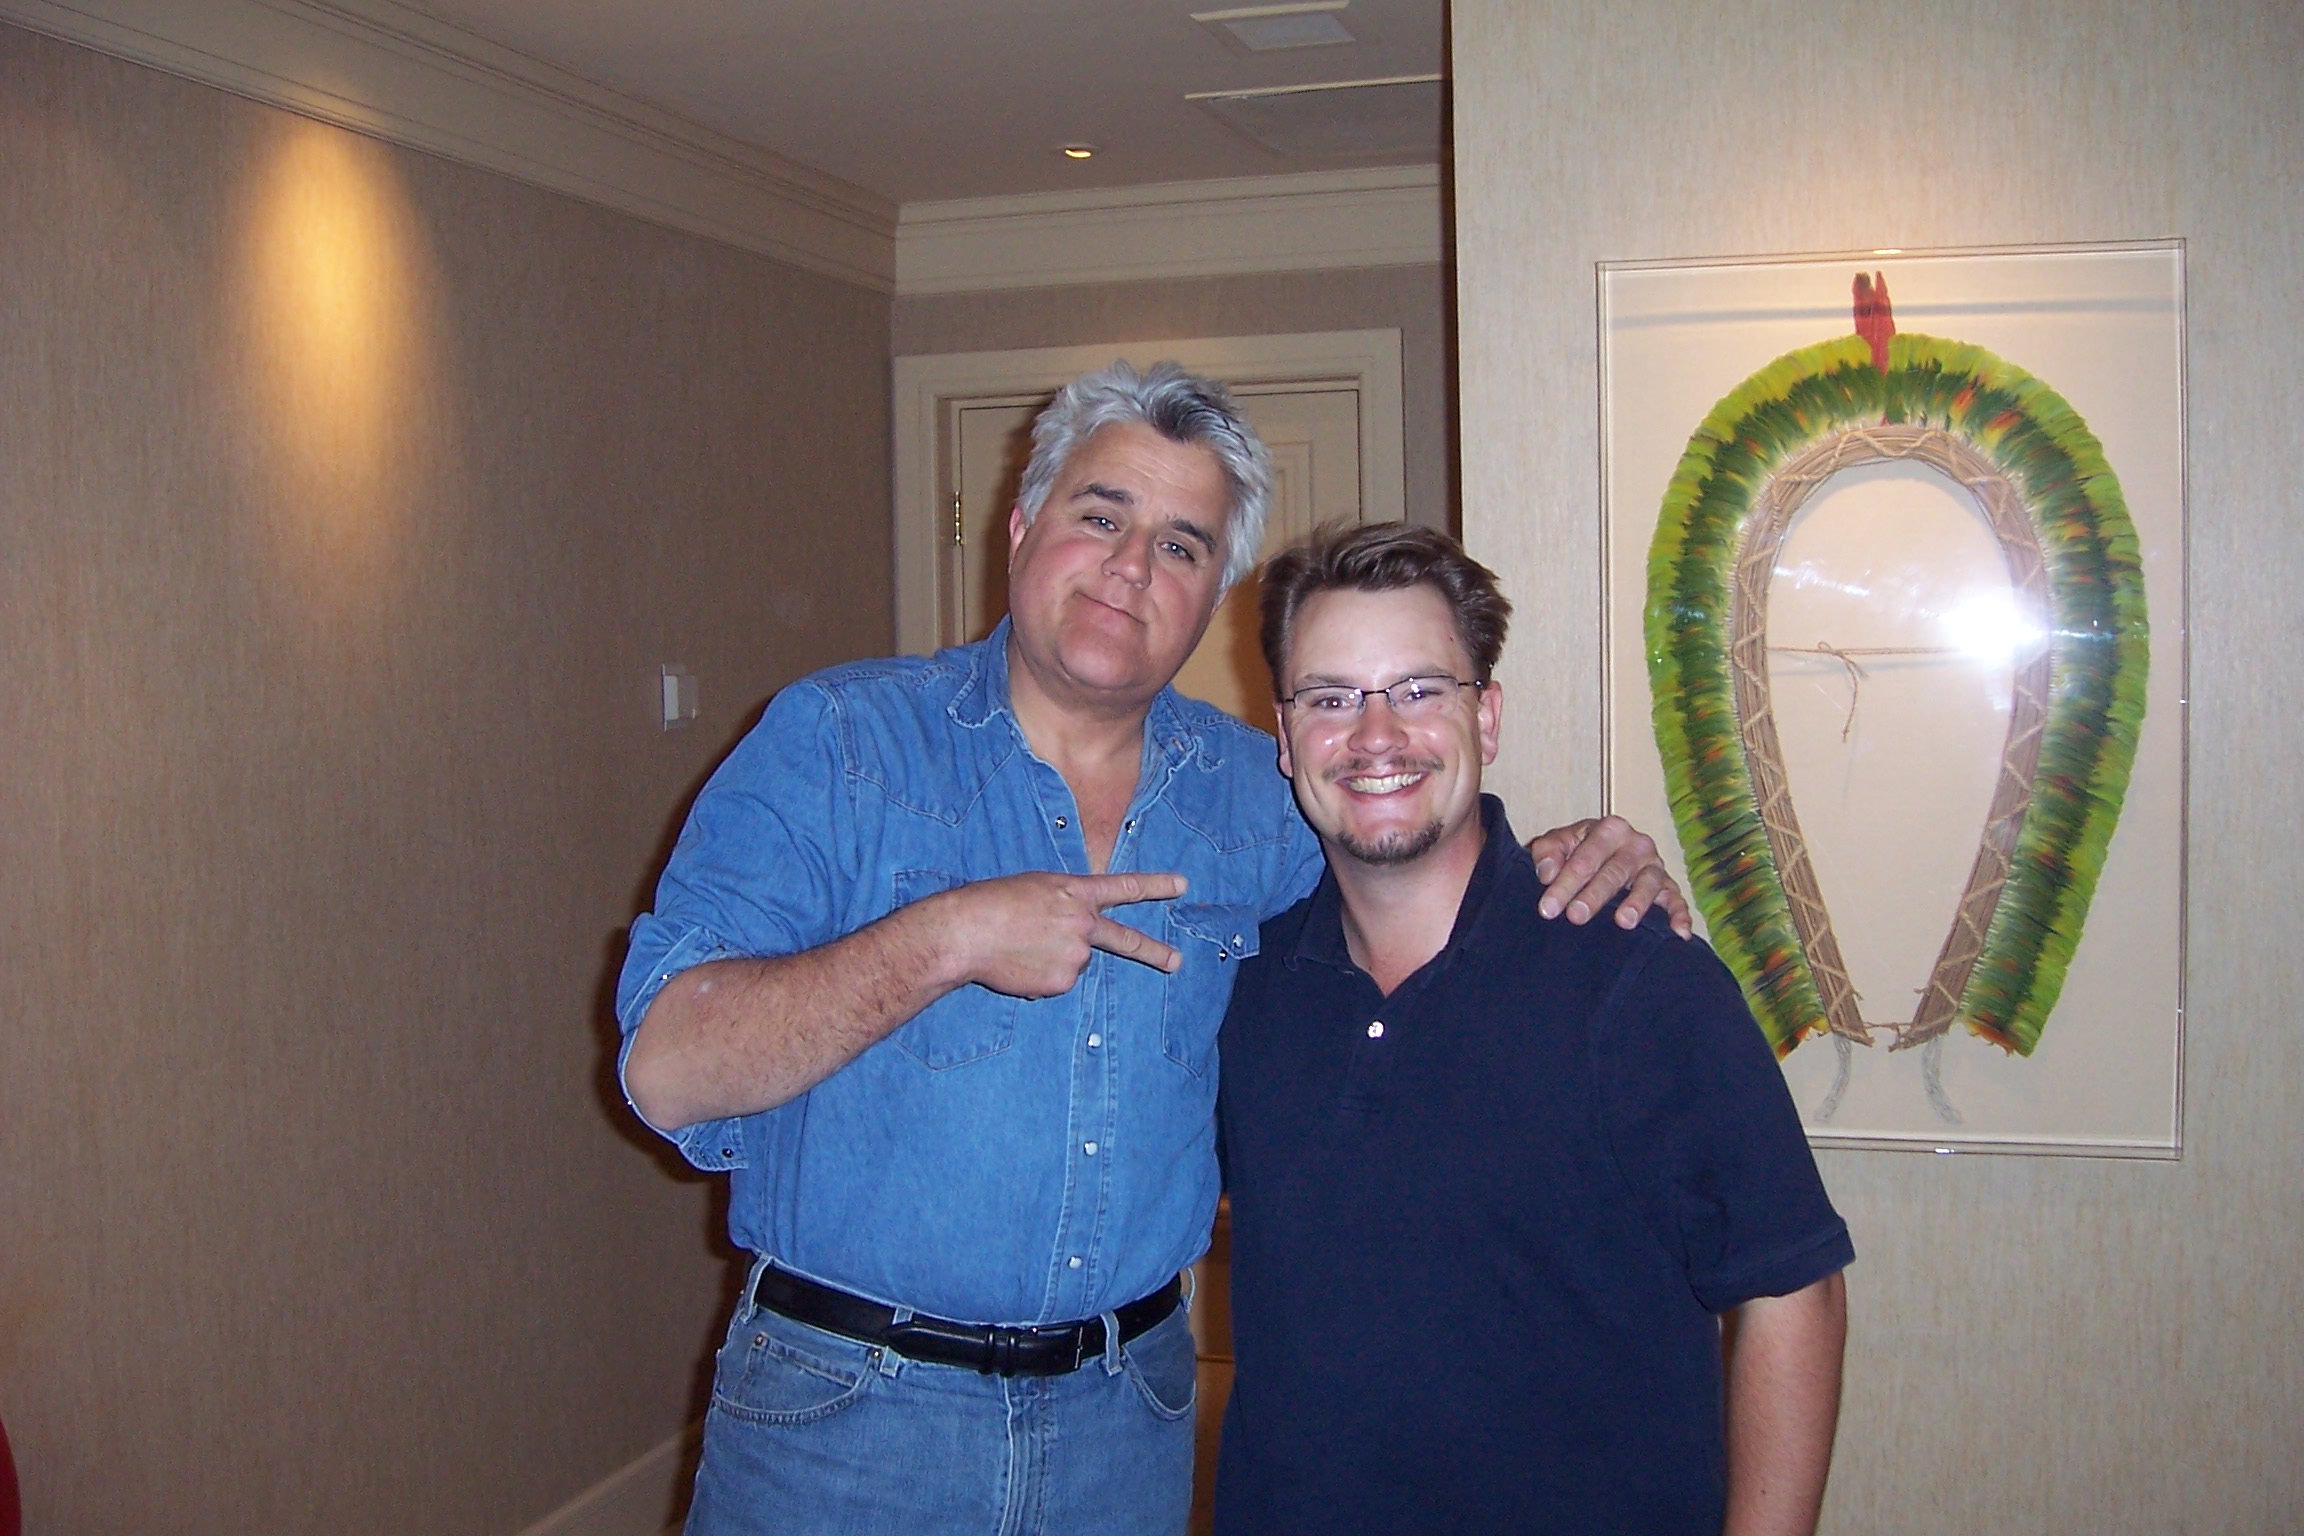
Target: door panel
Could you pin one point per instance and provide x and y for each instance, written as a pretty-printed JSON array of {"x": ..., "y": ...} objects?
[
  {"x": 1314, "y": 436},
  {"x": 991, "y": 442}
]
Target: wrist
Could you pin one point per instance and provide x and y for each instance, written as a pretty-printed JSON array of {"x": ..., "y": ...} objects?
[{"x": 937, "y": 942}]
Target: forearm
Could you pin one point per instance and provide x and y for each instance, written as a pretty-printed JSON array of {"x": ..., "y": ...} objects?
[
  {"x": 736, "y": 1037},
  {"x": 740, "y": 1036},
  {"x": 1783, "y": 1406}
]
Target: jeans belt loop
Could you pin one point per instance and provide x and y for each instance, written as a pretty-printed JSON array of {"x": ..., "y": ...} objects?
[{"x": 1111, "y": 1343}]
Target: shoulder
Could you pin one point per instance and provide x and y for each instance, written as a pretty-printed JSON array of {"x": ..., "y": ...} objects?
[
  {"x": 1640, "y": 993},
  {"x": 1221, "y": 742},
  {"x": 1228, "y": 783},
  {"x": 889, "y": 682},
  {"x": 892, "y": 710},
  {"x": 1600, "y": 952}
]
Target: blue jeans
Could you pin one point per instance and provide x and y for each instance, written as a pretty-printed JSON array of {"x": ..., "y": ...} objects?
[{"x": 812, "y": 1432}]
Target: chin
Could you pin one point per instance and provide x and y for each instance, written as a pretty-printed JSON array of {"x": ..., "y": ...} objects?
[
  {"x": 1108, "y": 672},
  {"x": 1401, "y": 845}
]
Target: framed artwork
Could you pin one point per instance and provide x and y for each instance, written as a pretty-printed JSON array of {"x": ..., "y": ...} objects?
[{"x": 1893, "y": 556}]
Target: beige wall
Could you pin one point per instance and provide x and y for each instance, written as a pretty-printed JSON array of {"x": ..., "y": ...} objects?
[
  {"x": 2039, "y": 1345},
  {"x": 1413, "y": 300},
  {"x": 348, "y": 500}
]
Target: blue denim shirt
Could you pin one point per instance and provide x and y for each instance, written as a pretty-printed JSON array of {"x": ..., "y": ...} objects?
[{"x": 993, "y": 1160}]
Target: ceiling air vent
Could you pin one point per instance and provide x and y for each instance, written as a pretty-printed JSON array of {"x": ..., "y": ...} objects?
[
  {"x": 1262, "y": 28},
  {"x": 1396, "y": 118}
]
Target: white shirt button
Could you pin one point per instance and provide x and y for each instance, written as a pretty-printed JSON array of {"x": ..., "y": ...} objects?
[
  {"x": 1062, "y": 822},
  {"x": 1095, "y": 1042},
  {"x": 1073, "y": 1262},
  {"x": 1090, "y": 1149},
  {"x": 1376, "y": 1030}
]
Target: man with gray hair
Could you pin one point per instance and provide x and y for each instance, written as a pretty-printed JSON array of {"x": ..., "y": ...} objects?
[{"x": 935, "y": 974}]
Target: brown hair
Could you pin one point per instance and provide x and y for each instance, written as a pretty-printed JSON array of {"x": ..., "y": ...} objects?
[{"x": 1383, "y": 557}]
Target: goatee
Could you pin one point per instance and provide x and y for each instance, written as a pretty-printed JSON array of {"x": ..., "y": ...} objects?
[{"x": 1393, "y": 847}]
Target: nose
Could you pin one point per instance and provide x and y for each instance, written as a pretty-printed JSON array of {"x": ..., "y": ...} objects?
[
  {"x": 1377, "y": 729},
  {"x": 1131, "y": 558}
]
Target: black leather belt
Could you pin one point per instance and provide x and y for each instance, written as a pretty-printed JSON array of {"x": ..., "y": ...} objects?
[{"x": 1052, "y": 1350}]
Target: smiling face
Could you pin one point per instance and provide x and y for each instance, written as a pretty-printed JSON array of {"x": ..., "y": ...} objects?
[
  {"x": 1381, "y": 790},
  {"x": 1113, "y": 582}
]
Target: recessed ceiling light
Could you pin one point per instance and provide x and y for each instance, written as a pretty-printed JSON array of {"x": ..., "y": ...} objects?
[{"x": 1078, "y": 151}]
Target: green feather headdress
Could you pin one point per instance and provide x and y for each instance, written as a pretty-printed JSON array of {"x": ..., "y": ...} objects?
[{"x": 1981, "y": 409}]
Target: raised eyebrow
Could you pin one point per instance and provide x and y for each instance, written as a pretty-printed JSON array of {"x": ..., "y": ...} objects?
[
  {"x": 1194, "y": 530},
  {"x": 1097, "y": 490}
]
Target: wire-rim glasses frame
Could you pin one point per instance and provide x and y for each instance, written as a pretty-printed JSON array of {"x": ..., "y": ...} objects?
[{"x": 1411, "y": 698}]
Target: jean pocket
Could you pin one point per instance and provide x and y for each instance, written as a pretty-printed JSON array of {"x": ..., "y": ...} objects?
[
  {"x": 960, "y": 1027},
  {"x": 1212, "y": 940},
  {"x": 775, "y": 1371},
  {"x": 1164, "y": 1366}
]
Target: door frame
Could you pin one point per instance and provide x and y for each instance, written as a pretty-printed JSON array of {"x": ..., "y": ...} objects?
[{"x": 928, "y": 388}]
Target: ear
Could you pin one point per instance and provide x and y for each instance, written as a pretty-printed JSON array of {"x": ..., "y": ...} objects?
[
  {"x": 1016, "y": 526},
  {"x": 1280, "y": 729},
  {"x": 1491, "y": 719}
]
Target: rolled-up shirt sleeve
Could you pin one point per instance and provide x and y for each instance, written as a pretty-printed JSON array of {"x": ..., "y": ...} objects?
[{"x": 755, "y": 874}]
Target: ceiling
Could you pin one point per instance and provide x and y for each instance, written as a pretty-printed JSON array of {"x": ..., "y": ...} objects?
[{"x": 926, "y": 100}]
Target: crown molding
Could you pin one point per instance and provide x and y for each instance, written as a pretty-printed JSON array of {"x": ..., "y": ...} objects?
[
  {"x": 379, "y": 68},
  {"x": 1308, "y": 222}
]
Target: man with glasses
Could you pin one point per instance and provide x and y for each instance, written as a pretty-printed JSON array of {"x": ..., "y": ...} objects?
[
  {"x": 1495, "y": 1181},
  {"x": 935, "y": 974}
]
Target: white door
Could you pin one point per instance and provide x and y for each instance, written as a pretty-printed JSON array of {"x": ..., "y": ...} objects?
[{"x": 1314, "y": 434}]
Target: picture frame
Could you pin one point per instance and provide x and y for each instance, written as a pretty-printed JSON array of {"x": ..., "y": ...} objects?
[{"x": 1893, "y": 639}]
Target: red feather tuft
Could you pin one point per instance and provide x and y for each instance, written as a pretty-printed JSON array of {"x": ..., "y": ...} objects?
[{"x": 1874, "y": 321}]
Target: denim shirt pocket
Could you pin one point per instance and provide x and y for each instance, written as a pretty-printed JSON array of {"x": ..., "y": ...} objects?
[
  {"x": 960, "y": 1027},
  {"x": 1212, "y": 939}
]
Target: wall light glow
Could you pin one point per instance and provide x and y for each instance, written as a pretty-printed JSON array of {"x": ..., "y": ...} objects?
[{"x": 336, "y": 301}]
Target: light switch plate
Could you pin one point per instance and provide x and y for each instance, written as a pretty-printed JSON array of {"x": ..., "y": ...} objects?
[{"x": 679, "y": 695}]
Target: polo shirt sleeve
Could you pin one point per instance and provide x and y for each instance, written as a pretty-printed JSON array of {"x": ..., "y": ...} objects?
[
  {"x": 757, "y": 873},
  {"x": 1705, "y": 1133}
]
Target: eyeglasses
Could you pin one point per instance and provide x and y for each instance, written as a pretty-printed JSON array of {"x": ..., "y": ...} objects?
[{"x": 1411, "y": 698}]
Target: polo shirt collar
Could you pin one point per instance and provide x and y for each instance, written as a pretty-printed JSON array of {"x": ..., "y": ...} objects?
[{"x": 1322, "y": 939}]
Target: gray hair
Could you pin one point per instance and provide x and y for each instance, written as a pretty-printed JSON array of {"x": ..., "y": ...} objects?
[{"x": 1182, "y": 408}]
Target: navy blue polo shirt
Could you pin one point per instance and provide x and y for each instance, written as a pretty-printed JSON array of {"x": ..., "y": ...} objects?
[{"x": 1481, "y": 1228}]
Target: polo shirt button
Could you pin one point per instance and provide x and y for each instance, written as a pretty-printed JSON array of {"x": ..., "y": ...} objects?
[
  {"x": 1095, "y": 1042},
  {"x": 1072, "y": 1262},
  {"x": 1376, "y": 1030},
  {"x": 1090, "y": 1149}
]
